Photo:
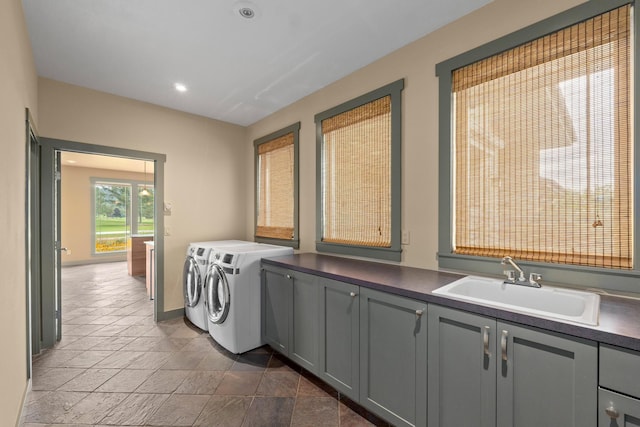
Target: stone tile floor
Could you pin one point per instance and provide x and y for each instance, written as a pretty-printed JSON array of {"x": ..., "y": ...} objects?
[{"x": 116, "y": 367}]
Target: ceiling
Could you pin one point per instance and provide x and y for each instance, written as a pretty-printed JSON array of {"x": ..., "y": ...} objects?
[
  {"x": 236, "y": 69},
  {"x": 96, "y": 161}
]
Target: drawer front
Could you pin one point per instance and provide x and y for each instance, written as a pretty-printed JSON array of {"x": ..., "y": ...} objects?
[
  {"x": 620, "y": 370},
  {"x": 616, "y": 410}
]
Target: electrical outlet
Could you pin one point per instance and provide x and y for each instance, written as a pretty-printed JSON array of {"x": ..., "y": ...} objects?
[
  {"x": 405, "y": 237},
  {"x": 167, "y": 231}
]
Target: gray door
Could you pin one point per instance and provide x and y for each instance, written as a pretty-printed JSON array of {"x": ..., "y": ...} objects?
[
  {"x": 340, "y": 336},
  {"x": 462, "y": 369},
  {"x": 545, "y": 379},
  {"x": 303, "y": 339},
  {"x": 34, "y": 326},
  {"x": 393, "y": 357},
  {"x": 617, "y": 410},
  {"x": 276, "y": 303}
]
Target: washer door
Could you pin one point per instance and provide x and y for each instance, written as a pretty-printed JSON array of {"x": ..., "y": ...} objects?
[
  {"x": 218, "y": 295},
  {"x": 192, "y": 282}
]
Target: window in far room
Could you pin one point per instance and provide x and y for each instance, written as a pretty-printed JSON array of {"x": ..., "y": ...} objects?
[{"x": 276, "y": 174}]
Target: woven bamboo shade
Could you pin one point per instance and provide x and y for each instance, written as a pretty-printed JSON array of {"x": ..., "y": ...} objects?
[
  {"x": 543, "y": 148},
  {"x": 356, "y": 158},
  {"x": 276, "y": 188}
]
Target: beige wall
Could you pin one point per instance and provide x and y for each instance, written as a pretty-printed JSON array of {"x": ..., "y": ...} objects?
[
  {"x": 76, "y": 208},
  {"x": 205, "y": 175},
  {"x": 416, "y": 64},
  {"x": 18, "y": 86}
]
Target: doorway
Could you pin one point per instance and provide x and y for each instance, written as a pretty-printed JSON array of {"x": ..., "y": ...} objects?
[{"x": 49, "y": 313}]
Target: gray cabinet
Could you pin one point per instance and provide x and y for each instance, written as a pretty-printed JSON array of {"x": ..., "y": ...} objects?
[
  {"x": 290, "y": 315},
  {"x": 534, "y": 378},
  {"x": 393, "y": 357},
  {"x": 619, "y": 393},
  {"x": 340, "y": 336}
]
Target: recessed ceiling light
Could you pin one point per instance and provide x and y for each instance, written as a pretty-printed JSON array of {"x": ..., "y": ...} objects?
[
  {"x": 246, "y": 12},
  {"x": 180, "y": 87}
]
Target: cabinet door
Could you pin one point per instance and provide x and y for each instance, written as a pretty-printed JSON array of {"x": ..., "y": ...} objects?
[
  {"x": 393, "y": 357},
  {"x": 303, "y": 338},
  {"x": 617, "y": 410},
  {"x": 276, "y": 303},
  {"x": 462, "y": 369},
  {"x": 339, "y": 336},
  {"x": 545, "y": 379}
]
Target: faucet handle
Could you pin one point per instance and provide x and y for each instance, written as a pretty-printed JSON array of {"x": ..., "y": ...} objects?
[
  {"x": 511, "y": 275},
  {"x": 534, "y": 277}
]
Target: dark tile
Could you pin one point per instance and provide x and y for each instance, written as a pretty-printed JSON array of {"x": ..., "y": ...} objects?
[
  {"x": 281, "y": 364},
  {"x": 214, "y": 361},
  {"x": 282, "y": 384},
  {"x": 224, "y": 411},
  {"x": 270, "y": 412},
  {"x": 312, "y": 386},
  {"x": 92, "y": 408},
  {"x": 251, "y": 362},
  {"x": 200, "y": 382},
  {"x": 135, "y": 409},
  {"x": 239, "y": 383},
  {"x": 315, "y": 412},
  {"x": 354, "y": 415},
  {"x": 89, "y": 380},
  {"x": 178, "y": 410}
]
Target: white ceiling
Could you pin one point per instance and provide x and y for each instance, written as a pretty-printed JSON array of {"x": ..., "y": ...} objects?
[
  {"x": 96, "y": 161},
  {"x": 236, "y": 69}
]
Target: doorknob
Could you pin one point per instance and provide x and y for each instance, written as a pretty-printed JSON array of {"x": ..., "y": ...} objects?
[{"x": 65, "y": 250}]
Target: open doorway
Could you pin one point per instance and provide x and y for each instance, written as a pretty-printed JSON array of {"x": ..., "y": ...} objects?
[{"x": 131, "y": 216}]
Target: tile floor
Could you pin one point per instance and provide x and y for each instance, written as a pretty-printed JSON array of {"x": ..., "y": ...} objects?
[{"x": 115, "y": 367}]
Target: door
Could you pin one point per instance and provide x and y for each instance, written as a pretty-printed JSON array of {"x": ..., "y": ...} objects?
[
  {"x": 545, "y": 379},
  {"x": 303, "y": 330},
  {"x": 276, "y": 303},
  {"x": 192, "y": 282},
  {"x": 340, "y": 336},
  {"x": 218, "y": 299},
  {"x": 462, "y": 369},
  {"x": 393, "y": 357},
  {"x": 617, "y": 410}
]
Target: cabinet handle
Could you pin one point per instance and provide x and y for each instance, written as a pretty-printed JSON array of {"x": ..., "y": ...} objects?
[
  {"x": 503, "y": 345},
  {"x": 612, "y": 412},
  {"x": 353, "y": 294},
  {"x": 419, "y": 312},
  {"x": 288, "y": 276},
  {"x": 485, "y": 341}
]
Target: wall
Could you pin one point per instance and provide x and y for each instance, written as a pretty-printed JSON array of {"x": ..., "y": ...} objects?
[
  {"x": 204, "y": 172},
  {"x": 76, "y": 209},
  {"x": 416, "y": 64},
  {"x": 18, "y": 85}
]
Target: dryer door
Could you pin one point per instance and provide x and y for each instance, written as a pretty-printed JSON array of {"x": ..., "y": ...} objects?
[
  {"x": 218, "y": 295},
  {"x": 192, "y": 282}
]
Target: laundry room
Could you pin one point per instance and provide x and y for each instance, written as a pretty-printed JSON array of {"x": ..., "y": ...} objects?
[{"x": 346, "y": 327}]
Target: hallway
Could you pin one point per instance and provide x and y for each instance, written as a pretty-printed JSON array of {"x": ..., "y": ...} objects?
[{"x": 114, "y": 367}]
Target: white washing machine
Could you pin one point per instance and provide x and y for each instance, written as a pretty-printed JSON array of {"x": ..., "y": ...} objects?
[
  {"x": 233, "y": 295},
  {"x": 194, "y": 273}
]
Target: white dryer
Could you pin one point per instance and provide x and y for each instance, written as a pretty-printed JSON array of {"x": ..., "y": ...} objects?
[
  {"x": 194, "y": 273},
  {"x": 233, "y": 295}
]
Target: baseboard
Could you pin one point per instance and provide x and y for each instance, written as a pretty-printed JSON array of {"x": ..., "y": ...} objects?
[
  {"x": 172, "y": 314},
  {"x": 21, "y": 415},
  {"x": 93, "y": 261}
]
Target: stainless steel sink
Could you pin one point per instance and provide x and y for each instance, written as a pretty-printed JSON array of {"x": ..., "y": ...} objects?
[{"x": 549, "y": 302}]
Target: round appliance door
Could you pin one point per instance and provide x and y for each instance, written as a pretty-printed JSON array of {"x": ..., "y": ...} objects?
[
  {"x": 192, "y": 282},
  {"x": 218, "y": 295}
]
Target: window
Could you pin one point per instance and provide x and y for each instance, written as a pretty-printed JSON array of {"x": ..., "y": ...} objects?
[
  {"x": 539, "y": 139},
  {"x": 277, "y": 187},
  {"x": 358, "y": 190},
  {"x": 113, "y": 206}
]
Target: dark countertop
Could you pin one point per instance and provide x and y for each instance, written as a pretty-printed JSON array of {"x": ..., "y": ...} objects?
[{"x": 619, "y": 322}]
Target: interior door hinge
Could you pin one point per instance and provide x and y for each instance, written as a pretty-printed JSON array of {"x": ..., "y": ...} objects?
[
  {"x": 58, "y": 315},
  {"x": 58, "y": 175}
]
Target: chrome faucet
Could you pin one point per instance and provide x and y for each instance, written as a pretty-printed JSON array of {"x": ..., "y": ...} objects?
[{"x": 521, "y": 280}]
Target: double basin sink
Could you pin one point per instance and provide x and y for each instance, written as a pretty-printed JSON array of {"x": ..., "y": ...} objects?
[{"x": 547, "y": 302}]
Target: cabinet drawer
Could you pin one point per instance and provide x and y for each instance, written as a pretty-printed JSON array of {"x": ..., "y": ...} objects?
[
  {"x": 617, "y": 410},
  {"x": 620, "y": 370}
]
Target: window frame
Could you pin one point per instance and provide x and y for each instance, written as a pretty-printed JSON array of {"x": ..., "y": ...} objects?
[
  {"x": 393, "y": 253},
  {"x": 614, "y": 279},
  {"x": 135, "y": 189},
  {"x": 295, "y": 129}
]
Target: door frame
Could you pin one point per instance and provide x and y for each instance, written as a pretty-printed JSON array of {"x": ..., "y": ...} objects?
[{"x": 50, "y": 146}]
